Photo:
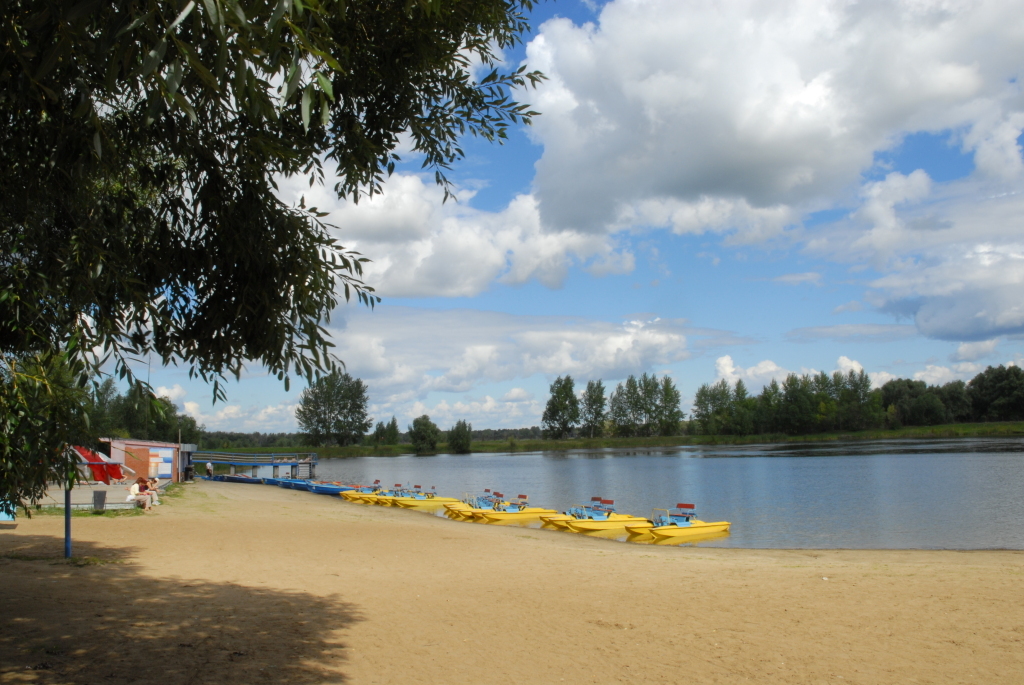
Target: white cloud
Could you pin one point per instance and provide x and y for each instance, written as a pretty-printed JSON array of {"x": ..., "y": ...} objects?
[
  {"x": 697, "y": 115},
  {"x": 880, "y": 378},
  {"x": 517, "y": 395},
  {"x": 859, "y": 332},
  {"x": 940, "y": 375},
  {"x": 421, "y": 246},
  {"x": 174, "y": 393},
  {"x": 754, "y": 376},
  {"x": 846, "y": 365},
  {"x": 482, "y": 413},
  {"x": 799, "y": 279},
  {"x": 235, "y": 417},
  {"x": 741, "y": 118},
  {"x": 970, "y": 352},
  {"x": 405, "y": 354},
  {"x": 852, "y": 306}
]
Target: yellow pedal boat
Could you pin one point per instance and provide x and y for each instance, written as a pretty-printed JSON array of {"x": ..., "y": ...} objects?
[
  {"x": 527, "y": 513},
  {"x": 613, "y": 522},
  {"x": 358, "y": 494},
  {"x": 678, "y": 525},
  {"x": 472, "y": 514},
  {"x": 420, "y": 502},
  {"x": 696, "y": 528},
  {"x": 558, "y": 521}
]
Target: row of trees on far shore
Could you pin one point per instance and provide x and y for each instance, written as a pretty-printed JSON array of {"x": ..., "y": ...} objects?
[
  {"x": 641, "y": 406},
  {"x": 804, "y": 404},
  {"x": 334, "y": 411}
]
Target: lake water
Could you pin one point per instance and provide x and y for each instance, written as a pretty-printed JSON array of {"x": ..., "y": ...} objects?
[{"x": 943, "y": 494}]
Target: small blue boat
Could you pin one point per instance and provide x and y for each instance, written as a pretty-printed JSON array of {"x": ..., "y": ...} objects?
[
  {"x": 293, "y": 483},
  {"x": 239, "y": 479},
  {"x": 327, "y": 488}
]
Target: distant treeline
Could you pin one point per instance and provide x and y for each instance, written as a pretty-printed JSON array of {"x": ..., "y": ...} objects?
[
  {"x": 136, "y": 415},
  {"x": 644, "y": 406},
  {"x": 225, "y": 440},
  {"x": 822, "y": 403}
]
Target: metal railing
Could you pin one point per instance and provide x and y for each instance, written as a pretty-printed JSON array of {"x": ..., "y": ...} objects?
[{"x": 242, "y": 459}]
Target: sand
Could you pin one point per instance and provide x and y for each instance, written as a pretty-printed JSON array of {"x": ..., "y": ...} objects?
[{"x": 251, "y": 584}]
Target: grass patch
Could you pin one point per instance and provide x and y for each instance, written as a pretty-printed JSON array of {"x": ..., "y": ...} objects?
[
  {"x": 955, "y": 430},
  {"x": 172, "y": 491},
  {"x": 88, "y": 513}
]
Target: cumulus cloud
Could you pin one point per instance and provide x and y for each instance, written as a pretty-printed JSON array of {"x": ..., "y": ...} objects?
[
  {"x": 517, "y": 395},
  {"x": 853, "y": 332},
  {"x": 236, "y": 417},
  {"x": 421, "y": 246},
  {"x": 880, "y": 378},
  {"x": 969, "y": 352},
  {"x": 846, "y": 365},
  {"x": 702, "y": 117},
  {"x": 484, "y": 412},
  {"x": 697, "y": 115},
  {"x": 852, "y": 306},
  {"x": 753, "y": 376},
  {"x": 810, "y": 277},
  {"x": 174, "y": 393},
  {"x": 406, "y": 353},
  {"x": 934, "y": 374},
  {"x": 742, "y": 118}
]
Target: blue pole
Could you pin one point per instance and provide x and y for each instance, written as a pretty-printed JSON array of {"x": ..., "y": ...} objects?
[{"x": 67, "y": 522}]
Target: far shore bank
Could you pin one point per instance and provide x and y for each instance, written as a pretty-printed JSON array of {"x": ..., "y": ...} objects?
[
  {"x": 1011, "y": 429},
  {"x": 231, "y": 583}
]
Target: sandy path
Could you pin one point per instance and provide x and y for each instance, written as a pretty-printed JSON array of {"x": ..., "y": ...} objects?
[{"x": 239, "y": 583}]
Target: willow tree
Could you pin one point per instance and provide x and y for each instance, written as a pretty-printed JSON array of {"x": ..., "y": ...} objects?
[{"x": 142, "y": 142}]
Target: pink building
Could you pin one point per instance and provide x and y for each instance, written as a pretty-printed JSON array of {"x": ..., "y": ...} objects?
[{"x": 146, "y": 458}]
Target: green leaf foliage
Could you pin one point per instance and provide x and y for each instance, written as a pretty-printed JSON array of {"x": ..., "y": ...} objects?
[
  {"x": 142, "y": 143},
  {"x": 424, "y": 434},
  {"x": 42, "y": 412},
  {"x": 333, "y": 410},
  {"x": 798, "y": 406},
  {"x": 460, "y": 438},
  {"x": 562, "y": 412},
  {"x": 645, "y": 406},
  {"x": 386, "y": 434},
  {"x": 592, "y": 410},
  {"x": 139, "y": 414}
]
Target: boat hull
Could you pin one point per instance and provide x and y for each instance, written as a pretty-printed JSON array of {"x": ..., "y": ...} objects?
[
  {"x": 695, "y": 529},
  {"x": 640, "y": 528},
  {"x": 416, "y": 502},
  {"x": 328, "y": 489},
  {"x": 293, "y": 484},
  {"x": 528, "y": 513},
  {"x": 590, "y": 525},
  {"x": 558, "y": 521}
]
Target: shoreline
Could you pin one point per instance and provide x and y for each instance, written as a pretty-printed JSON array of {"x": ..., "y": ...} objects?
[
  {"x": 958, "y": 431},
  {"x": 230, "y": 584}
]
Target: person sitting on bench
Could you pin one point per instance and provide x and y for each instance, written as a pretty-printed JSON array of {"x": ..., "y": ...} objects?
[
  {"x": 153, "y": 488},
  {"x": 137, "y": 493}
]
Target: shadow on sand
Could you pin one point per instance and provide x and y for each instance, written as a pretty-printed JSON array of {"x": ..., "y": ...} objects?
[{"x": 98, "y": 619}]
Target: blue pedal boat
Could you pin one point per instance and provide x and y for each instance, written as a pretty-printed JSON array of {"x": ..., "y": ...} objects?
[{"x": 328, "y": 488}]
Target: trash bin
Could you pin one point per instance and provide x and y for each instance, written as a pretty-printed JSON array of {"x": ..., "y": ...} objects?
[{"x": 99, "y": 500}]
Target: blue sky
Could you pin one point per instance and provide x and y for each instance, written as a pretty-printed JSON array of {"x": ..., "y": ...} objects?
[{"x": 712, "y": 191}]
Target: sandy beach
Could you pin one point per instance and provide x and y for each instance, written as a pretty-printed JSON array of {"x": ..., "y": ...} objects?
[{"x": 239, "y": 584}]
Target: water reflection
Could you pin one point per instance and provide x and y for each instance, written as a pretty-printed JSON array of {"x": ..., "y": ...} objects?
[{"x": 959, "y": 494}]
